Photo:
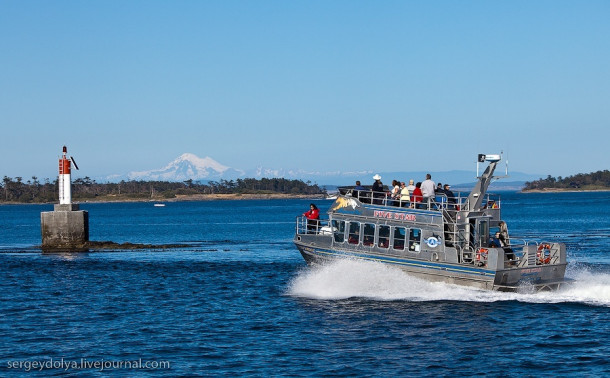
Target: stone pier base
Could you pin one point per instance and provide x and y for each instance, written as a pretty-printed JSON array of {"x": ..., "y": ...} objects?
[{"x": 66, "y": 228}]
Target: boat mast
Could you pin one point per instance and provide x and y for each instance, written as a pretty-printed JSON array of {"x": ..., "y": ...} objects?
[{"x": 478, "y": 192}]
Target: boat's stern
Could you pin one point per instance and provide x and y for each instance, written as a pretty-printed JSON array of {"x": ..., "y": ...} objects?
[{"x": 540, "y": 266}]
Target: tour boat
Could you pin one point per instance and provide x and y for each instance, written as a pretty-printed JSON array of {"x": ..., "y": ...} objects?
[{"x": 444, "y": 239}]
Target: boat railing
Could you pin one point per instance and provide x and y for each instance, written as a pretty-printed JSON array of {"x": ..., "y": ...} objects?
[
  {"x": 535, "y": 252},
  {"x": 518, "y": 253},
  {"x": 437, "y": 203},
  {"x": 530, "y": 253},
  {"x": 518, "y": 249},
  {"x": 312, "y": 226}
]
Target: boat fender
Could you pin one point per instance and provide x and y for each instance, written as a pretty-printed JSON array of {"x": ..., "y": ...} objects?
[{"x": 541, "y": 255}]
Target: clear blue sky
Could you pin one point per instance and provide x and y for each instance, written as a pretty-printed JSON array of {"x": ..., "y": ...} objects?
[{"x": 320, "y": 85}]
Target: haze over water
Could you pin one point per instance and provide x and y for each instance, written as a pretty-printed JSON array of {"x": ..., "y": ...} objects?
[{"x": 242, "y": 301}]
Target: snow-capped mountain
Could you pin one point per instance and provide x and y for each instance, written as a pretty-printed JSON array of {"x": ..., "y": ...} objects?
[
  {"x": 188, "y": 167},
  {"x": 191, "y": 167}
]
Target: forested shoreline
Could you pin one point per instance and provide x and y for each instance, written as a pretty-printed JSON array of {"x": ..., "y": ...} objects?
[
  {"x": 16, "y": 190},
  {"x": 599, "y": 180}
]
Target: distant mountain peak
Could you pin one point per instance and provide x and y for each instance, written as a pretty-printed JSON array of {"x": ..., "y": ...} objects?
[
  {"x": 201, "y": 163},
  {"x": 187, "y": 166}
]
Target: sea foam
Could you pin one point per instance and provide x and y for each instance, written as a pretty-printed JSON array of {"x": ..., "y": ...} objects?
[{"x": 350, "y": 278}]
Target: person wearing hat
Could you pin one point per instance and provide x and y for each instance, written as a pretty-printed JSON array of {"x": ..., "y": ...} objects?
[{"x": 378, "y": 192}]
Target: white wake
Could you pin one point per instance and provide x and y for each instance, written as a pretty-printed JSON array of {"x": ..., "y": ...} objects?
[{"x": 347, "y": 278}]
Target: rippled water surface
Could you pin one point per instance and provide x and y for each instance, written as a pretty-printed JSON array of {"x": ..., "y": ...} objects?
[{"x": 241, "y": 301}]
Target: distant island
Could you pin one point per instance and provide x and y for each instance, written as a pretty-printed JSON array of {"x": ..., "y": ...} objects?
[
  {"x": 88, "y": 190},
  {"x": 599, "y": 180}
]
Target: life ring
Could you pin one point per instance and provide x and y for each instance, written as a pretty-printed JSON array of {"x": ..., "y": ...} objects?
[
  {"x": 482, "y": 254},
  {"x": 540, "y": 254}
]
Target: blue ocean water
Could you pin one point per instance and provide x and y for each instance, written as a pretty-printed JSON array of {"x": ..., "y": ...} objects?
[{"x": 241, "y": 301}]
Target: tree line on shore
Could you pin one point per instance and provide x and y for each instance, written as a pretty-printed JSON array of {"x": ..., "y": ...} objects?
[
  {"x": 582, "y": 181},
  {"x": 34, "y": 191}
]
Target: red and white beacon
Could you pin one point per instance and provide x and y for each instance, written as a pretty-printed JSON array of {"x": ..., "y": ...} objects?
[{"x": 65, "y": 184}]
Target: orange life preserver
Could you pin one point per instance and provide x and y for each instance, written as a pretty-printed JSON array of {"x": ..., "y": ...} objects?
[
  {"x": 542, "y": 259},
  {"x": 482, "y": 254}
]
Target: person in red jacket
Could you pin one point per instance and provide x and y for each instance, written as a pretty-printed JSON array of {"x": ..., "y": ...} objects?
[
  {"x": 417, "y": 196},
  {"x": 312, "y": 218}
]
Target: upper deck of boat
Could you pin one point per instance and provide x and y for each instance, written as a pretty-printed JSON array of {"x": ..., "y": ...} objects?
[{"x": 438, "y": 203}]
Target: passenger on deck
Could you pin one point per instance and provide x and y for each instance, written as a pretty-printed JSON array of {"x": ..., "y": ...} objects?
[
  {"x": 395, "y": 193},
  {"x": 411, "y": 186},
  {"x": 378, "y": 192},
  {"x": 495, "y": 241},
  {"x": 357, "y": 189},
  {"x": 503, "y": 232},
  {"x": 439, "y": 189},
  {"x": 450, "y": 196},
  {"x": 502, "y": 237},
  {"x": 510, "y": 254},
  {"x": 416, "y": 196},
  {"x": 404, "y": 195},
  {"x": 427, "y": 189},
  {"x": 313, "y": 216}
]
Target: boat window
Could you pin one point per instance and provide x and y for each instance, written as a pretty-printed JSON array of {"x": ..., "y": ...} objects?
[
  {"x": 471, "y": 233},
  {"x": 354, "y": 233},
  {"x": 384, "y": 236},
  {"x": 339, "y": 231},
  {"x": 483, "y": 233},
  {"x": 369, "y": 234},
  {"x": 414, "y": 239},
  {"x": 399, "y": 238}
]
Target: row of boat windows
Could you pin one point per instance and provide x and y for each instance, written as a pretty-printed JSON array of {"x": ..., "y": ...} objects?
[{"x": 369, "y": 234}]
